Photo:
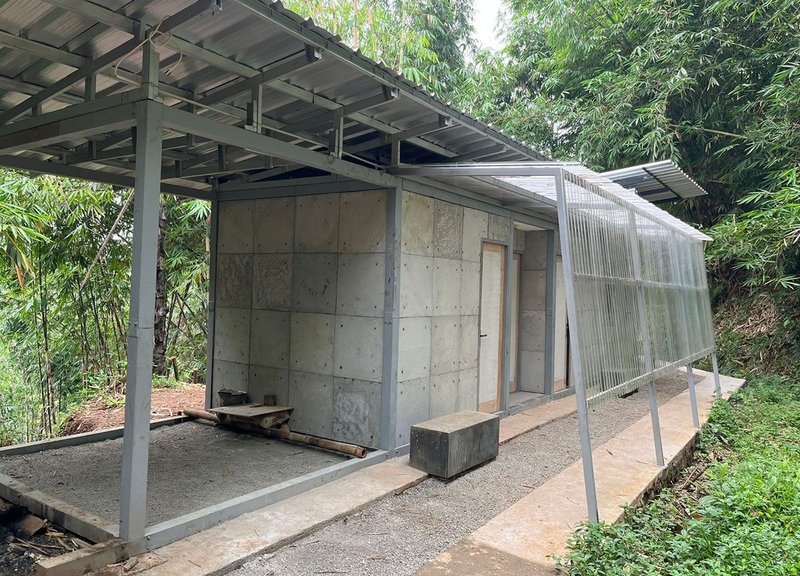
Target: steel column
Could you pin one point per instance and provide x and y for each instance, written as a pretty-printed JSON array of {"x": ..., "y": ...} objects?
[
  {"x": 692, "y": 396},
  {"x": 644, "y": 328},
  {"x": 715, "y": 367},
  {"x": 391, "y": 317},
  {"x": 575, "y": 354},
  {"x": 550, "y": 314},
  {"x": 212, "y": 301},
  {"x": 140, "y": 330},
  {"x": 505, "y": 375}
]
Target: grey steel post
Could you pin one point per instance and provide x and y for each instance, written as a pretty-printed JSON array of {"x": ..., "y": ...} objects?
[
  {"x": 506, "y": 368},
  {"x": 391, "y": 317},
  {"x": 212, "y": 301},
  {"x": 575, "y": 353},
  {"x": 136, "y": 439},
  {"x": 550, "y": 314},
  {"x": 715, "y": 367},
  {"x": 692, "y": 396},
  {"x": 645, "y": 330}
]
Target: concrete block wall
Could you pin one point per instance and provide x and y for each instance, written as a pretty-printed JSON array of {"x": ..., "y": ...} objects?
[
  {"x": 533, "y": 304},
  {"x": 299, "y": 308},
  {"x": 439, "y": 307}
]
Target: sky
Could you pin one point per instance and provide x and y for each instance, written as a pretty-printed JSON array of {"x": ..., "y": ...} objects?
[{"x": 485, "y": 21}]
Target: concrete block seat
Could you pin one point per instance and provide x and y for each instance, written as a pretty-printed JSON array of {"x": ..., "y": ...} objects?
[{"x": 451, "y": 444}]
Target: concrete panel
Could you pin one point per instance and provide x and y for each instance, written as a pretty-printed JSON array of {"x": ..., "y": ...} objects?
[
  {"x": 448, "y": 230},
  {"x": 534, "y": 290},
  {"x": 470, "y": 288},
  {"x": 360, "y": 286},
  {"x": 468, "y": 342},
  {"x": 234, "y": 285},
  {"x": 445, "y": 344},
  {"x": 417, "y": 224},
  {"x": 414, "y": 348},
  {"x": 312, "y": 398},
  {"x": 535, "y": 251},
  {"x": 533, "y": 331},
  {"x": 444, "y": 394},
  {"x": 230, "y": 375},
  {"x": 416, "y": 285},
  {"x": 475, "y": 229},
  {"x": 274, "y": 381},
  {"x": 272, "y": 283},
  {"x": 314, "y": 283},
  {"x": 413, "y": 405},
  {"x": 468, "y": 389},
  {"x": 269, "y": 340},
  {"x": 235, "y": 227},
  {"x": 273, "y": 228},
  {"x": 317, "y": 223},
  {"x": 446, "y": 287},
  {"x": 232, "y": 335},
  {"x": 531, "y": 371},
  {"x": 519, "y": 241},
  {"x": 311, "y": 348},
  {"x": 357, "y": 411},
  {"x": 358, "y": 348},
  {"x": 362, "y": 222},
  {"x": 499, "y": 228}
]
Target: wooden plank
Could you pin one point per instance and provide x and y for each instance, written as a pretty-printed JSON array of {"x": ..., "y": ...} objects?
[{"x": 251, "y": 410}]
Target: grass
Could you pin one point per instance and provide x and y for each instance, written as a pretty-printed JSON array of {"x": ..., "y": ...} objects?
[{"x": 734, "y": 511}]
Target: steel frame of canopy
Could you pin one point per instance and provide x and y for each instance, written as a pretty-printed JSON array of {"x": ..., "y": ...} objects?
[{"x": 614, "y": 267}]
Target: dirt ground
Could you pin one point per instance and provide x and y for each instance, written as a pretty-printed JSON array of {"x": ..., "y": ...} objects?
[
  {"x": 109, "y": 412},
  {"x": 18, "y": 552}
]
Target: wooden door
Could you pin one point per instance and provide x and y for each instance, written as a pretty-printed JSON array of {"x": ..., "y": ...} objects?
[{"x": 490, "y": 367}]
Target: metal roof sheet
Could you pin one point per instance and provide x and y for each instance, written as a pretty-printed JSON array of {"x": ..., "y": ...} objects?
[{"x": 657, "y": 181}]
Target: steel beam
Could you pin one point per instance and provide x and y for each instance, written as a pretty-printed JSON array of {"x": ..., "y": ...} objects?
[
  {"x": 58, "y": 169},
  {"x": 97, "y": 13},
  {"x": 269, "y": 146},
  {"x": 212, "y": 303},
  {"x": 265, "y": 75},
  {"x": 133, "y": 500},
  {"x": 386, "y": 95},
  {"x": 508, "y": 285},
  {"x": 692, "y": 396},
  {"x": 71, "y": 122}
]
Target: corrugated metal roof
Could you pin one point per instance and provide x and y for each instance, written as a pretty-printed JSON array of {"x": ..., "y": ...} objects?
[
  {"x": 657, "y": 181},
  {"x": 42, "y": 41}
]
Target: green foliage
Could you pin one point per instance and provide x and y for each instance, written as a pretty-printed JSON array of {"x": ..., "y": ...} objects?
[
  {"x": 740, "y": 517},
  {"x": 63, "y": 327},
  {"x": 425, "y": 41}
]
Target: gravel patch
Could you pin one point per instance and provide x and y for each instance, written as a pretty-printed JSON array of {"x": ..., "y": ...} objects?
[
  {"x": 398, "y": 535},
  {"x": 192, "y": 465}
]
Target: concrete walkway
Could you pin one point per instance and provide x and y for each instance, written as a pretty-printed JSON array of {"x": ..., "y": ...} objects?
[
  {"x": 227, "y": 546},
  {"x": 522, "y": 539}
]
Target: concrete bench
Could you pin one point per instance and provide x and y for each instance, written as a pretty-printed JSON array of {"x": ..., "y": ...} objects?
[{"x": 451, "y": 444}]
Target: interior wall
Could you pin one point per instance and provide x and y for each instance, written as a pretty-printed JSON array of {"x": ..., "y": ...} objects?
[
  {"x": 534, "y": 313},
  {"x": 439, "y": 307},
  {"x": 299, "y": 308}
]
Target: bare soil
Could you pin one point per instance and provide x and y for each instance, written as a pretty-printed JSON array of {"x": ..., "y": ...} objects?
[
  {"x": 18, "y": 552},
  {"x": 109, "y": 411}
]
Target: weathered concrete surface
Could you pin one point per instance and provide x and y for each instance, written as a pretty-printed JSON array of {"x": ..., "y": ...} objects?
[
  {"x": 522, "y": 539},
  {"x": 229, "y": 545},
  {"x": 451, "y": 444}
]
